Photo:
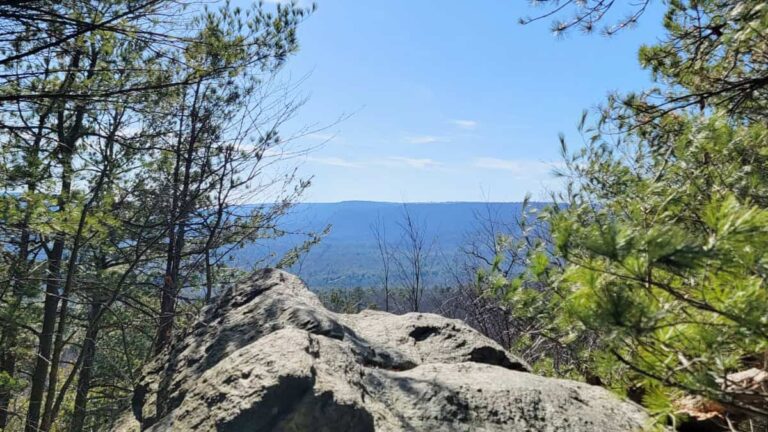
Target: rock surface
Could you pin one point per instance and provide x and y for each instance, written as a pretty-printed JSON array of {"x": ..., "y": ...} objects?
[{"x": 269, "y": 357}]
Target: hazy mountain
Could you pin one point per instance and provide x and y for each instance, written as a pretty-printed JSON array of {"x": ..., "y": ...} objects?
[{"x": 348, "y": 255}]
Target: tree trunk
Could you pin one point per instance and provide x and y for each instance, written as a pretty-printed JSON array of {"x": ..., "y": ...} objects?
[
  {"x": 181, "y": 207},
  {"x": 84, "y": 380},
  {"x": 45, "y": 344},
  {"x": 10, "y": 329},
  {"x": 20, "y": 274},
  {"x": 52, "y": 293},
  {"x": 58, "y": 346},
  {"x": 67, "y": 142},
  {"x": 208, "y": 277}
]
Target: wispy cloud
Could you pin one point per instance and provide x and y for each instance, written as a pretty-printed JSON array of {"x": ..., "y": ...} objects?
[
  {"x": 521, "y": 167},
  {"x": 465, "y": 124},
  {"x": 334, "y": 161},
  {"x": 320, "y": 136},
  {"x": 425, "y": 139},
  {"x": 391, "y": 162},
  {"x": 419, "y": 163}
]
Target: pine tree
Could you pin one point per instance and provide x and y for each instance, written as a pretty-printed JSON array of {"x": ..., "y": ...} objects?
[{"x": 664, "y": 225}]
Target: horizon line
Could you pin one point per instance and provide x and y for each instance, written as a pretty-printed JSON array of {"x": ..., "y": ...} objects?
[{"x": 413, "y": 202}]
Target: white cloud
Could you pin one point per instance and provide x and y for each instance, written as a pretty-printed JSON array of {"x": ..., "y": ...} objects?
[
  {"x": 425, "y": 139},
  {"x": 521, "y": 167},
  {"x": 318, "y": 136},
  {"x": 391, "y": 162},
  {"x": 334, "y": 161},
  {"x": 465, "y": 124},
  {"x": 419, "y": 163}
]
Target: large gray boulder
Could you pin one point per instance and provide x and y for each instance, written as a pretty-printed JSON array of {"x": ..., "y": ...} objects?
[{"x": 270, "y": 357}]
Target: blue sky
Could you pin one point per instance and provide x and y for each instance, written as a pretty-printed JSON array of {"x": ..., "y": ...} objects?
[{"x": 447, "y": 100}]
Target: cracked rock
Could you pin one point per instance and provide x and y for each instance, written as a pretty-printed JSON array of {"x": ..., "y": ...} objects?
[{"x": 269, "y": 357}]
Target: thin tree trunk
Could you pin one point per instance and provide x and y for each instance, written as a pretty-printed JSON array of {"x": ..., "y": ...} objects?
[
  {"x": 182, "y": 204},
  {"x": 86, "y": 357},
  {"x": 84, "y": 380},
  {"x": 208, "y": 277},
  {"x": 45, "y": 343},
  {"x": 58, "y": 346},
  {"x": 52, "y": 293},
  {"x": 66, "y": 150},
  {"x": 165, "y": 320},
  {"x": 19, "y": 276},
  {"x": 10, "y": 329}
]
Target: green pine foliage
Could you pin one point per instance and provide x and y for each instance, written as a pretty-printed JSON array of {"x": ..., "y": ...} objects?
[
  {"x": 663, "y": 227},
  {"x": 668, "y": 266}
]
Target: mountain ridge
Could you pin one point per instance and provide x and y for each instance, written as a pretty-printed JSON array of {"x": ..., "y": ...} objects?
[{"x": 348, "y": 255}]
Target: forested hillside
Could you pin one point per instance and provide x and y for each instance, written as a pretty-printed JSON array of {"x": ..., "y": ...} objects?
[{"x": 348, "y": 255}]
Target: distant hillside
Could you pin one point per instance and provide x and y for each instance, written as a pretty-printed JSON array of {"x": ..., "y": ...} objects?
[{"x": 348, "y": 256}]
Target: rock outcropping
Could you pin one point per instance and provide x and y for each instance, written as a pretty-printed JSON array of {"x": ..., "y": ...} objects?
[{"x": 270, "y": 357}]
